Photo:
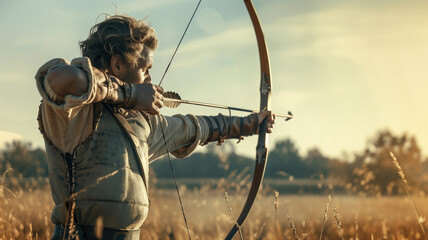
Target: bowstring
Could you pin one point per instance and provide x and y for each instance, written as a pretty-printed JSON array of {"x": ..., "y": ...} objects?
[
  {"x": 179, "y": 43},
  {"x": 175, "y": 182},
  {"x": 163, "y": 132}
]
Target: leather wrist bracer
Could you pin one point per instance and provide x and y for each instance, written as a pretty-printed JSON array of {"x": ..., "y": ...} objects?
[
  {"x": 222, "y": 127},
  {"x": 130, "y": 96},
  {"x": 110, "y": 96},
  {"x": 120, "y": 93}
]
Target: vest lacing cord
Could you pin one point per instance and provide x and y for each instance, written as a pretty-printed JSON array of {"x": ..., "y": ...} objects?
[
  {"x": 71, "y": 180},
  {"x": 68, "y": 157}
]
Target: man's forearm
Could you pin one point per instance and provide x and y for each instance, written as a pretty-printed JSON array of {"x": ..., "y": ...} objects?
[{"x": 222, "y": 127}]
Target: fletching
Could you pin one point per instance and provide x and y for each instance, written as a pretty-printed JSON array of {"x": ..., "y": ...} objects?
[{"x": 169, "y": 98}]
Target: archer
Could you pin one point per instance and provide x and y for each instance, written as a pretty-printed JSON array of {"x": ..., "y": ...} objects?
[{"x": 100, "y": 117}]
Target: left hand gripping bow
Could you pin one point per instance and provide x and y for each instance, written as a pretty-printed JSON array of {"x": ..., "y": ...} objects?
[{"x": 265, "y": 104}]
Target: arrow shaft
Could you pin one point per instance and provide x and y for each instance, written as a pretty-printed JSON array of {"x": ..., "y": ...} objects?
[{"x": 220, "y": 106}]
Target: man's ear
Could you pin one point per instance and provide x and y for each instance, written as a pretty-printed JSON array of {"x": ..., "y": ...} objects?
[{"x": 117, "y": 65}]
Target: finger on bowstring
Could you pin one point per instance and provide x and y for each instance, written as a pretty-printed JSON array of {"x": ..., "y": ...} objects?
[
  {"x": 159, "y": 89},
  {"x": 159, "y": 96}
]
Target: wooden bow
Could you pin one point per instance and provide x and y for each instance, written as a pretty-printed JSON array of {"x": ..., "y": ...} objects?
[{"x": 265, "y": 104}]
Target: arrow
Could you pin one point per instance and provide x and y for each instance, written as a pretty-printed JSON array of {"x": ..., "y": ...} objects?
[{"x": 173, "y": 100}]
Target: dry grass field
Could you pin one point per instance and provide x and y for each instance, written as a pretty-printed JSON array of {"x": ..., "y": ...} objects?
[
  {"x": 360, "y": 217},
  {"x": 25, "y": 214}
]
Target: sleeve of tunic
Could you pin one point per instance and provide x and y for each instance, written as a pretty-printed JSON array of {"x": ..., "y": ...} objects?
[
  {"x": 182, "y": 135},
  {"x": 70, "y": 101},
  {"x": 66, "y": 123}
]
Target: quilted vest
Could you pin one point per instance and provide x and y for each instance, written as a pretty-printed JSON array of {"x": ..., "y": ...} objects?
[{"x": 106, "y": 175}]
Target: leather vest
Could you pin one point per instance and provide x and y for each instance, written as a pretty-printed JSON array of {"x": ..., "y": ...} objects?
[{"x": 108, "y": 172}]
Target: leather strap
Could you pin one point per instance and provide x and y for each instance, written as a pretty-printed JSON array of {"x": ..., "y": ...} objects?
[{"x": 132, "y": 137}]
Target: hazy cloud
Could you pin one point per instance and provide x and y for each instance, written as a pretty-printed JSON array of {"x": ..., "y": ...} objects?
[{"x": 6, "y": 136}]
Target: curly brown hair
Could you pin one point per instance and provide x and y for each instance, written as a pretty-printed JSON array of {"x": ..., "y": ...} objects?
[{"x": 118, "y": 34}]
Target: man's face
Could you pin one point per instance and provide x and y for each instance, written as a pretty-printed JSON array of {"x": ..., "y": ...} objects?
[{"x": 140, "y": 73}]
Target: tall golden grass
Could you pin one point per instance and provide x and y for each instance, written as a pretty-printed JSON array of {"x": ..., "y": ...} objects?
[
  {"x": 25, "y": 214},
  {"x": 212, "y": 211}
]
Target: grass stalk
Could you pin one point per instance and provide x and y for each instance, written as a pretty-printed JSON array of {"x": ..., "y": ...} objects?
[
  {"x": 400, "y": 172},
  {"x": 226, "y": 197},
  {"x": 325, "y": 216},
  {"x": 277, "y": 227},
  {"x": 337, "y": 221},
  {"x": 293, "y": 227}
]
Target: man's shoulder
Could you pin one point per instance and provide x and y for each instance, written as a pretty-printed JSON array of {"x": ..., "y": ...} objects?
[{"x": 58, "y": 62}]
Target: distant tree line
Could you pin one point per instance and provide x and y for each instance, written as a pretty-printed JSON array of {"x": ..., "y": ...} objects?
[
  {"x": 284, "y": 161},
  {"x": 370, "y": 170},
  {"x": 23, "y": 159}
]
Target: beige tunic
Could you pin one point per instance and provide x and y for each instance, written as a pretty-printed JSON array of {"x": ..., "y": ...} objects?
[{"x": 80, "y": 128}]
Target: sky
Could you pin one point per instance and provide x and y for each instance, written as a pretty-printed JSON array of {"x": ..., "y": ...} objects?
[{"x": 345, "y": 69}]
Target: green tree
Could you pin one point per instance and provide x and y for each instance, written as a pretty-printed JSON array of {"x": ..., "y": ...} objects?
[
  {"x": 216, "y": 162},
  {"x": 408, "y": 153},
  {"x": 373, "y": 171},
  {"x": 23, "y": 159},
  {"x": 285, "y": 158},
  {"x": 317, "y": 163}
]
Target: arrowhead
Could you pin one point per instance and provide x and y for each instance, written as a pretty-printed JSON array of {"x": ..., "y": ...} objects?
[{"x": 291, "y": 116}]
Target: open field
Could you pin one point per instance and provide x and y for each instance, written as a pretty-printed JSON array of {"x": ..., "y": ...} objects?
[{"x": 25, "y": 215}]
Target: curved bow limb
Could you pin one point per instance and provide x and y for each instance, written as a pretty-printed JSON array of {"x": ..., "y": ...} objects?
[{"x": 265, "y": 104}]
